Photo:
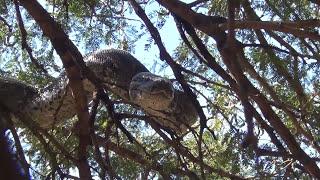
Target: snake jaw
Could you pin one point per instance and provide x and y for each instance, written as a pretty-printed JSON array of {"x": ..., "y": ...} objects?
[{"x": 165, "y": 93}]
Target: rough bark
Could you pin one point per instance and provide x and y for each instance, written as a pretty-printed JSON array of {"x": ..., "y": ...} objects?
[
  {"x": 229, "y": 56},
  {"x": 69, "y": 56}
]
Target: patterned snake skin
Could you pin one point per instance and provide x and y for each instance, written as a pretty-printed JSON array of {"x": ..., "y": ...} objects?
[{"x": 122, "y": 74}]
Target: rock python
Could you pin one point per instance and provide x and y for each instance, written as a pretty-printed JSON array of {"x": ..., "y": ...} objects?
[{"x": 122, "y": 74}]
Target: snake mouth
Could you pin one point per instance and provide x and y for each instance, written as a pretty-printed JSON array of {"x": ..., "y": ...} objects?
[
  {"x": 164, "y": 93},
  {"x": 159, "y": 89}
]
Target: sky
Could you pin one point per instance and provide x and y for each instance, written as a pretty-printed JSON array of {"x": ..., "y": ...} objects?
[{"x": 170, "y": 39}]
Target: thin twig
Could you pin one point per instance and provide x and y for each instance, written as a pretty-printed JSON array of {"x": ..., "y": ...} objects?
[{"x": 24, "y": 43}]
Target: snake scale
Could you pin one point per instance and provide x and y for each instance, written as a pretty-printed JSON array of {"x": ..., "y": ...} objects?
[{"x": 122, "y": 74}]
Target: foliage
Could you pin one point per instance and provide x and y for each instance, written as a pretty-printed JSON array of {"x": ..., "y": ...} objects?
[{"x": 281, "y": 62}]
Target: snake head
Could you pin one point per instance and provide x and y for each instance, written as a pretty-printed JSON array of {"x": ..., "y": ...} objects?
[{"x": 152, "y": 91}]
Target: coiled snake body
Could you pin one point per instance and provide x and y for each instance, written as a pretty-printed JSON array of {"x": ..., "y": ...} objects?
[{"x": 123, "y": 74}]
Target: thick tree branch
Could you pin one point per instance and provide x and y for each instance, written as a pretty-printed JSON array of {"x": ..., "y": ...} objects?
[
  {"x": 166, "y": 56},
  {"x": 177, "y": 72},
  {"x": 230, "y": 57},
  {"x": 207, "y": 24},
  {"x": 69, "y": 56},
  {"x": 293, "y": 28},
  {"x": 294, "y": 82}
]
